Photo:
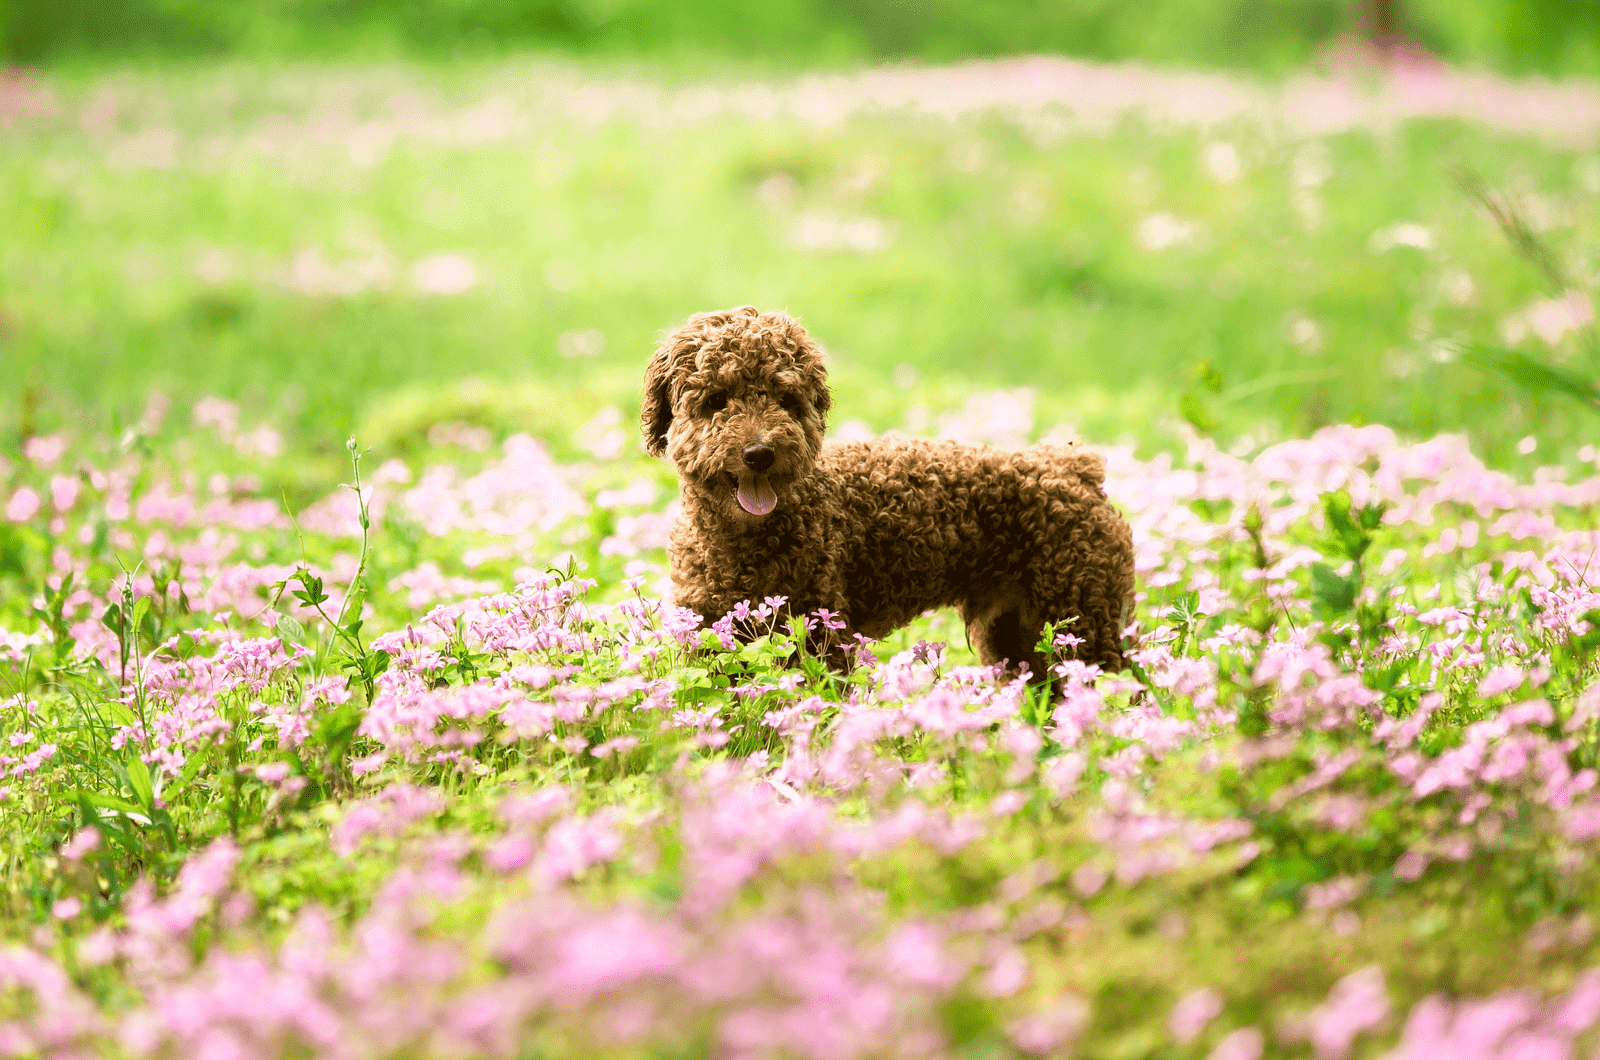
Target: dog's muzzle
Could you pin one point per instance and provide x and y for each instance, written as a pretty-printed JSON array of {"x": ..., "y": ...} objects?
[{"x": 754, "y": 490}]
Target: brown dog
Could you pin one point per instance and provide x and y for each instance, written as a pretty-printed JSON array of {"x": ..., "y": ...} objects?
[{"x": 876, "y": 532}]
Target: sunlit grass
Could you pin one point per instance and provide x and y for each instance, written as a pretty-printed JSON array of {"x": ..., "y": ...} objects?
[{"x": 323, "y": 243}]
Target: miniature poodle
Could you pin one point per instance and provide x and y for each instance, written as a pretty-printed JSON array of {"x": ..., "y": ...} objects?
[{"x": 876, "y": 532}]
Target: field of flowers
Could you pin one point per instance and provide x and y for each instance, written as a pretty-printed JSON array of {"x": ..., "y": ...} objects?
[
  {"x": 430, "y": 767},
  {"x": 428, "y": 763}
]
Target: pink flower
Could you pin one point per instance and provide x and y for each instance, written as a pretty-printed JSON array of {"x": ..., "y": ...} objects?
[
  {"x": 1410, "y": 867},
  {"x": 1023, "y": 741},
  {"x": 219, "y": 413},
  {"x": 914, "y": 952},
  {"x": 64, "y": 491},
  {"x": 1007, "y": 972},
  {"x": 1358, "y": 1002},
  {"x": 1504, "y": 678},
  {"x": 84, "y": 842},
  {"x": 1246, "y": 1043},
  {"x": 509, "y": 852},
  {"x": 389, "y": 813},
  {"x": 45, "y": 449},
  {"x": 1052, "y": 1029},
  {"x": 616, "y": 745},
  {"x": 97, "y": 948},
  {"x": 1339, "y": 891},
  {"x": 576, "y": 844},
  {"x": 1008, "y": 802},
  {"x": 272, "y": 772},
  {"x": 1088, "y": 878},
  {"x": 1192, "y": 1013},
  {"x": 533, "y": 807},
  {"x": 23, "y": 505},
  {"x": 1061, "y": 773}
]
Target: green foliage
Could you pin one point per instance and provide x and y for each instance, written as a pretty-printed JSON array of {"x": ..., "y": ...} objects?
[
  {"x": 1535, "y": 374},
  {"x": 1518, "y": 36},
  {"x": 1194, "y": 405},
  {"x": 1515, "y": 35}
]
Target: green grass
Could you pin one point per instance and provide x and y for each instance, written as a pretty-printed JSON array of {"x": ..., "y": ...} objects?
[
  {"x": 1553, "y": 37},
  {"x": 1011, "y": 259}
]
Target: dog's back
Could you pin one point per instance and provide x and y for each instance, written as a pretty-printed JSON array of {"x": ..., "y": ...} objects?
[{"x": 1014, "y": 538}]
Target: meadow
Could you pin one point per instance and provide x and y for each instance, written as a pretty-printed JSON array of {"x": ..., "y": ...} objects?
[{"x": 346, "y": 712}]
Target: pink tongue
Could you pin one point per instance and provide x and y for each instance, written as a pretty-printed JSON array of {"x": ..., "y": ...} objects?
[{"x": 756, "y": 494}]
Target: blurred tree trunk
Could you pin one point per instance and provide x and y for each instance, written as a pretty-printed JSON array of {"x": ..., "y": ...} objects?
[{"x": 1383, "y": 21}]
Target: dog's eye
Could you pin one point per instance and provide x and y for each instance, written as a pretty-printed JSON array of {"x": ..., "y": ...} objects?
[
  {"x": 717, "y": 401},
  {"x": 792, "y": 403}
]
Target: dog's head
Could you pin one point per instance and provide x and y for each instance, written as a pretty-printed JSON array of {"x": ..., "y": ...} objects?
[{"x": 738, "y": 400}]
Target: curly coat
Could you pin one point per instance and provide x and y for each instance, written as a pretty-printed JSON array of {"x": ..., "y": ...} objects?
[{"x": 877, "y": 532}]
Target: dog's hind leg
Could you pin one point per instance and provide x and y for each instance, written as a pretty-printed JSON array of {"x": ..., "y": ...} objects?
[
  {"x": 1003, "y": 627},
  {"x": 1084, "y": 577}
]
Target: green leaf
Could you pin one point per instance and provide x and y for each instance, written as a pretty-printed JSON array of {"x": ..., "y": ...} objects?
[
  {"x": 106, "y": 802},
  {"x": 1187, "y": 607},
  {"x": 139, "y": 781},
  {"x": 755, "y": 650},
  {"x": 114, "y": 621},
  {"x": 1384, "y": 678},
  {"x": 311, "y": 593},
  {"x": 1352, "y": 538},
  {"x": 1532, "y": 374},
  {"x": 1332, "y": 593},
  {"x": 338, "y": 728},
  {"x": 354, "y": 604},
  {"x": 289, "y": 627},
  {"x": 1192, "y": 408},
  {"x": 141, "y": 607},
  {"x": 120, "y": 713},
  {"x": 1253, "y": 719}
]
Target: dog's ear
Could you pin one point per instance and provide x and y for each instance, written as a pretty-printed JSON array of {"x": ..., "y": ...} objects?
[
  {"x": 814, "y": 359},
  {"x": 821, "y": 396},
  {"x": 655, "y": 411}
]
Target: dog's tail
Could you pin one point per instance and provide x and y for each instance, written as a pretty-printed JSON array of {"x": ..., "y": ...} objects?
[{"x": 1078, "y": 460}]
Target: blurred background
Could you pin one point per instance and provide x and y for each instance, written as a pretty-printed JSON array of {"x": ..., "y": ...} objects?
[
  {"x": 1556, "y": 37},
  {"x": 438, "y": 222}
]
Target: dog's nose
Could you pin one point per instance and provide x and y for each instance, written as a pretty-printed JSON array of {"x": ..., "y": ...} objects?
[{"x": 759, "y": 457}]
